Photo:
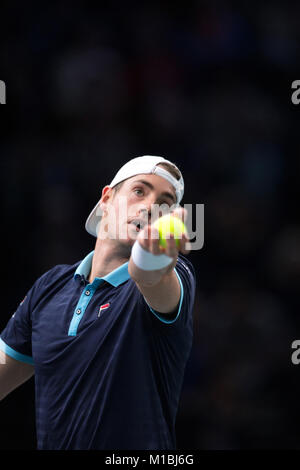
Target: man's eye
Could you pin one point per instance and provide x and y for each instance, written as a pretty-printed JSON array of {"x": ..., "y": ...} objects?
[{"x": 138, "y": 190}]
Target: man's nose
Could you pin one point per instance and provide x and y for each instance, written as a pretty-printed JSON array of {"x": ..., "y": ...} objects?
[
  {"x": 145, "y": 213},
  {"x": 151, "y": 212},
  {"x": 151, "y": 209}
]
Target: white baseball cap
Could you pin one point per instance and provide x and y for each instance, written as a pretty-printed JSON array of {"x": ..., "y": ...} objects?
[{"x": 136, "y": 166}]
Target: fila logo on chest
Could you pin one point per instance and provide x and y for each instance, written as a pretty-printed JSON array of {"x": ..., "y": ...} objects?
[{"x": 103, "y": 307}]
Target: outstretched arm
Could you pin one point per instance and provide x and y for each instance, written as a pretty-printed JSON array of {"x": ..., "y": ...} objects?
[{"x": 160, "y": 287}]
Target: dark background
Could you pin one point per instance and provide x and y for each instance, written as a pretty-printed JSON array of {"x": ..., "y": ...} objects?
[{"x": 208, "y": 86}]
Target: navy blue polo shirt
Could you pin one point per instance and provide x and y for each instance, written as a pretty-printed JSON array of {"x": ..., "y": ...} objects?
[{"x": 108, "y": 368}]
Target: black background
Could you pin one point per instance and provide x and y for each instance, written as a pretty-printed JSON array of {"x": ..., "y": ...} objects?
[{"x": 208, "y": 86}]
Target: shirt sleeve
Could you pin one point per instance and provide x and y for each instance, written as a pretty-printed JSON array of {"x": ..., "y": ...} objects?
[
  {"x": 183, "y": 314},
  {"x": 15, "y": 339}
]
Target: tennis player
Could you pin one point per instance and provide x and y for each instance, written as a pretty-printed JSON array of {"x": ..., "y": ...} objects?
[{"x": 108, "y": 338}]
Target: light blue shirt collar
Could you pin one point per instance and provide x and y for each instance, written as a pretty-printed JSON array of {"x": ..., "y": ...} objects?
[{"x": 115, "y": 277}]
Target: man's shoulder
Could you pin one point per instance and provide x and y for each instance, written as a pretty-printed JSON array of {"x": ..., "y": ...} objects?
[{"x": 57, "y": 272}]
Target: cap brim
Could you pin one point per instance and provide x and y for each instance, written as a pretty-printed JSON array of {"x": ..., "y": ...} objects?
[{"x": 93, "y": 220}]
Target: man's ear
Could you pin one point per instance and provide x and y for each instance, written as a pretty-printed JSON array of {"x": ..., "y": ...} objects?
[{"x": 105, "y": 197}]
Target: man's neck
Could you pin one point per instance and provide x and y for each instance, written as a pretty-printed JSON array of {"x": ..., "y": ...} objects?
[{"x": 107, "y": 257}]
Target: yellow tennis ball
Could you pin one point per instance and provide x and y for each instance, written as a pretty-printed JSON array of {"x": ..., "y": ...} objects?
[{"x": 169, "y": 224}]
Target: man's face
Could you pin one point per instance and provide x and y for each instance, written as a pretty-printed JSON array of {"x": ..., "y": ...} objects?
[{"x": 140, "y": 200}]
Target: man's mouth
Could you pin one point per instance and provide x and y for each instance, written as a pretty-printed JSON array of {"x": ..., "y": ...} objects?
[{"x": 138, "y": 223}]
